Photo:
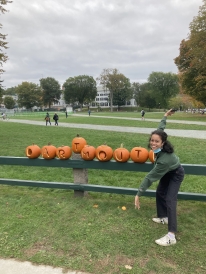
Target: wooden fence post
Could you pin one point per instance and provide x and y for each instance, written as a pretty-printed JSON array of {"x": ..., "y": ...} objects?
[{"x": 80, "y": 176}]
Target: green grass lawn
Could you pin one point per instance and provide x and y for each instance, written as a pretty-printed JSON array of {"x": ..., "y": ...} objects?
[
  {"x": 132, "y": 119},
  {"x": 93, "y": 234}
]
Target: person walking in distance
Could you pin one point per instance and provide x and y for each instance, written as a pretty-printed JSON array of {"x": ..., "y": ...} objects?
[
  {"x": 142, "y": 114},
  {"x": 56, "y": 118},
  {"x": 168, "y": 170},
  {"x": 47, "y": 118}
]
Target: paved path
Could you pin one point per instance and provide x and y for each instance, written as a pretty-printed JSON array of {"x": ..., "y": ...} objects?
[
  {"x": 199, "y": 134},
  {"x": 12, "y": 266},
  {"x": 169, "y": 120}
]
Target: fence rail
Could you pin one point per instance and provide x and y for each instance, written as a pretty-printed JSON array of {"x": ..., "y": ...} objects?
[{"x": 81, "y": 164}]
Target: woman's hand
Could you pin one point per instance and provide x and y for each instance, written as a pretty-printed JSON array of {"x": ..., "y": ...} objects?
[
  {"x": 169, "y": 112},
  {"x": 137, "y": 202}
]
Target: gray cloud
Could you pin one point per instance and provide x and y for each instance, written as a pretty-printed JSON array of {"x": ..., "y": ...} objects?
[{"x": 64, "y": 38}]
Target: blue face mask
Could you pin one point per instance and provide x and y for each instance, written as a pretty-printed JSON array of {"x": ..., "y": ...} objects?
[{"x": 157, "y": 150}]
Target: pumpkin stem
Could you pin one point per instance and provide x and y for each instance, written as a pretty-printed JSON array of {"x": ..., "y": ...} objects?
[
  {"x": 77, "y": 135},
  {"x": 122, "y": 145},
  {"x": 49, "y": 144}
]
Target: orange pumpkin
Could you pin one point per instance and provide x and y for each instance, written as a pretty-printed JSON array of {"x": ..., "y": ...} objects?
[
  {"x": 88, "y": 153},
  {"x": 139, "y": 154},
  {"x": 121, "y": 154},
  {"x": 48, "y": 152},
  {"x": 33, "y": 151},
  {"x": 63, "y": 152},
  {"x": 104, "y": 153},
  {"x": 78, "y": 143},
  {"x": 151, "y": 156}
]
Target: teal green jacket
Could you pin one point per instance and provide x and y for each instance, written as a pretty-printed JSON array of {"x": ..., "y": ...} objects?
[{"x": 164, "y": 162}]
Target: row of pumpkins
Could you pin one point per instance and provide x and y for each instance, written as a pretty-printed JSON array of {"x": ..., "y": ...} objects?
[{"x": 103, "y": 153}]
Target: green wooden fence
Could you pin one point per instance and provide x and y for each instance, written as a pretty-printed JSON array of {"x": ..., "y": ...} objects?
[{"x": 81, "y": 164}]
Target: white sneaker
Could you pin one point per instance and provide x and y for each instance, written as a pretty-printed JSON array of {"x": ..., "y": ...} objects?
[
  {"x": 166, "y": 241},
  {"x": 160, "y": 220}
]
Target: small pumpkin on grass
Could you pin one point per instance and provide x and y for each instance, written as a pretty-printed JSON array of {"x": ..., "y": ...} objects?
[
  {"x": 88, "y": 153},
  {"x": 48, "y": 152},
  {"x": 63, "y": 152},
  {"x": 104, "y": 153},
  {"x": 121, "y": 154},
  {"x": 139, "y": 154},
  {"x": 78, "y": 143},
  {"x": 33, "y": 151}
]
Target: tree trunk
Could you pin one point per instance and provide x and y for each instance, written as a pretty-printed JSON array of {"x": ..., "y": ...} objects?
[{"x": 111, "y": 101}]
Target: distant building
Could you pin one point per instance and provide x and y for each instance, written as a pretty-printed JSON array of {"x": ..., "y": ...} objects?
[
  {"x": 102, "y": 99},
  {"x": 60, "y": 104}
]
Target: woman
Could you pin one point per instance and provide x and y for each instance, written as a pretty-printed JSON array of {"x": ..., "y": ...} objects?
[
  {"x": 168, "y": 170},
  {"x": 56, "y": 118},
  {"x": 47, "y": 118}
]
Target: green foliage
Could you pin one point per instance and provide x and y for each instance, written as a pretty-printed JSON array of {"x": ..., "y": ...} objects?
[
  {"x": 192, "y": 58},
  {"x": 163, "y": 87},
  {"x": 144, "y": 95},
  {"x": 122, "y": 95},
  {"x": 147, "y": 97},
  {"x": 3, "y": 43},
  {"x": 9, "y": 102},
  {"x": 51, "y": 91},
  {"x": 80, "y": 89},
  {"x": 137, "y": 94},
  {"x": 117, "y": 84},
  {"x": 1, "y": 92},
  {"x": 10, "y": 91},
  {"x": 29, "y": 95}
]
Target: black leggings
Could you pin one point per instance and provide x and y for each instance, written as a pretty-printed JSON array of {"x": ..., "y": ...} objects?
[{"x": 166, "y": 196}]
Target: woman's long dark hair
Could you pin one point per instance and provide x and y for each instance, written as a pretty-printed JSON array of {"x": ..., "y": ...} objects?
[{"x": 167, "y": 146}]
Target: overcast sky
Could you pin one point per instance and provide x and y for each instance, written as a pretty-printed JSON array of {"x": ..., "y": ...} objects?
[{"x": 62, "y": 39}]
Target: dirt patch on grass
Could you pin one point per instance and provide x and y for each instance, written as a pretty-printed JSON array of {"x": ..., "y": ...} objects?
[
  {"x": 114, "y": 263},
  {"x": 37, "y": 247}
]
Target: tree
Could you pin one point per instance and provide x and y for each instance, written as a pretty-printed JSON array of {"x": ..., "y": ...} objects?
[
  {"x": 113, "y": 81},
  {"x": 163, "y": 86},
  {"x": 136, "y": 92},
  {"x": 3, "y": 43},
  {"x": 147, "y": 98},
  {"x": 1, "y": 93},
  {"x": 80, "y": 89},
  {"x": 9, "y": 102},
  {"x": 191, "y": 61},
  {"x": 29, "y": 95},
  {"x": 51, "y": 91},
  {"x": 142, "y": 95},
  {"x": 122, "y": 95},
  {"x": 10, "y": 91}
]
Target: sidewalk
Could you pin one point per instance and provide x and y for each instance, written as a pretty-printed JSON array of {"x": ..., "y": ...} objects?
[
  {"x": 150, "y": 120},
  {"x": 11, "y": 266},
  {"x": 198, "y": 134}
]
